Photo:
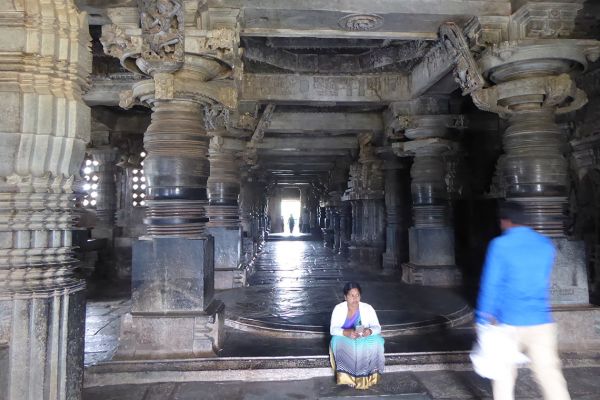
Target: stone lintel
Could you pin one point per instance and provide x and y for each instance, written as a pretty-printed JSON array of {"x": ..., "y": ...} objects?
[
  {"x": 324, "y": 89},
  {"x": 330, "y": 122},
  {"x": 300, "y": 143},
  {"x": 453, "y": 7}
]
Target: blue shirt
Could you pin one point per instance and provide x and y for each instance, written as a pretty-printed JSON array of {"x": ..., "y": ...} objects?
[{"x": 516, "y": 279}]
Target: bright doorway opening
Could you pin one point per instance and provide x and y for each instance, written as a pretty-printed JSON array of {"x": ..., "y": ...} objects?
[{"x": 290, "y": 214}]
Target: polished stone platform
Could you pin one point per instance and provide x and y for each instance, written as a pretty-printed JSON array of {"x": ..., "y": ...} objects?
[
  {"x": 306, "y": 311},
  {"x": 296, "y": 284}
]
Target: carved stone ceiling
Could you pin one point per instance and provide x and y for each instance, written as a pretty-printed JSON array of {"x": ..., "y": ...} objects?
[{"x": 329, "y": 68}]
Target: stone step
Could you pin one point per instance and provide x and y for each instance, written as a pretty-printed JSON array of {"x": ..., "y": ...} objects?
[{"x": 256, "y": 369}]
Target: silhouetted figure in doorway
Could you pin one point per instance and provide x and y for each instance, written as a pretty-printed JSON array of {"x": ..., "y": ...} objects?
[{"x": 291, "y": 223}]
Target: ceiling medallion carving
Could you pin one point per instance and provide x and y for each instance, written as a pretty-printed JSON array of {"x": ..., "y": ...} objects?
[{"x": 361, "y": 22}]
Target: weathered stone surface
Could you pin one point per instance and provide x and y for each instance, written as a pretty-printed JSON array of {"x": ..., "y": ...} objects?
[
  {"x": 569, "y": 284},
  {"x": 315, "y": 89},
  {"x": 172, "y": 275}
]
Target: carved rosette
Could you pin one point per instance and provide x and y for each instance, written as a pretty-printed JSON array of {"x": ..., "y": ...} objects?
[{"x": 533, "y": 83}]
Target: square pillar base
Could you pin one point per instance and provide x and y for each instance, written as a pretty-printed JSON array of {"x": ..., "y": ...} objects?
[
  {"x": 431, "y": 246},
  {"x": 368, "y": 256},
  {"x": 228, "y": 254},
  {"x": 174, "y": 335},
  {"x": 578, "y": 327},
  {"x": 431, "y": 275}
]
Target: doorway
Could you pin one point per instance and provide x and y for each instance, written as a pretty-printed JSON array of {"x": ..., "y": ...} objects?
[{"x": 290, "y": 208}]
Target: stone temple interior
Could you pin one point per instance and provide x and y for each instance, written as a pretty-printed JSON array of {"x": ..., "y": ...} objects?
[{"x": 147, "y": 148}]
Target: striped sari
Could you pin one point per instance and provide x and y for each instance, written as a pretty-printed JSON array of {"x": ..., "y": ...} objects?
[{"x": 357, "y": 362}]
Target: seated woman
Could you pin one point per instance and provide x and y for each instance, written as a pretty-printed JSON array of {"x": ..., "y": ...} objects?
[{"x": 356, "y": 350}]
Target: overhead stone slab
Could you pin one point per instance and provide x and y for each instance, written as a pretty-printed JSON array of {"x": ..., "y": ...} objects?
[
  {"x": 328, "y": 89},
  {"x": 332, "y": 122},
  {"x": 360, "y": 18}
]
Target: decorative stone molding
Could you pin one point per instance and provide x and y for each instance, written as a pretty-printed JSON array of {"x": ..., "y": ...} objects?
[
  {"x": 484, "y": 31},
  {"x": 559, "y": 91},
  {"x": 548, "y": 20}
]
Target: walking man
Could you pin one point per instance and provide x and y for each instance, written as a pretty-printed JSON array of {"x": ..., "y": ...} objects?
[{"x": 515, "y": 292}]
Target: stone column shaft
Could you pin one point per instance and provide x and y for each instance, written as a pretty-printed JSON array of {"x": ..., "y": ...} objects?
[
  {"x": 44, "y": 128},
  {"x": 397, "y": 220},
  {"x": 224, "y": 215},
  {"x": 177, "y": 170}
]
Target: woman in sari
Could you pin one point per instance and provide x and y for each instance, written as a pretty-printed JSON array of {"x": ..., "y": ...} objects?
[{"x": 356, "y": 350}]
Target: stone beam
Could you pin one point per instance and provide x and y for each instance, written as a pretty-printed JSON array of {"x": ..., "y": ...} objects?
[
  {"x": 313, "y": 152},
  {"x": 435, "y": 66},
  {"x": 324, "y": 89},
  {"x": 304, "y": 143},
  {"x": 105, "y": 92},
  {"x": 325, "y": 122},
  {"x": 392, "y": 19}
]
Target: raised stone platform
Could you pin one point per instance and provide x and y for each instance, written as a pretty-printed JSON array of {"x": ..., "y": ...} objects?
[{"x": 305, "y": 312}]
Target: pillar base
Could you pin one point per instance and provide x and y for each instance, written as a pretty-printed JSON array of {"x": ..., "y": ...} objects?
[
  {"x": 369, "y": 256},
  {"x": 431, "y": 246},
  {"x": 228, "y": 250},
  {"x": 390, "y": 262},
  {"x": 431, "y": 275},
  {"x": 173, "y": 335},
  {"x": 230, "y": 278},
  {"x": 569, "y": 283},
  {"x": 328, "y": 238},
  {"x": 577, "y": 327}
]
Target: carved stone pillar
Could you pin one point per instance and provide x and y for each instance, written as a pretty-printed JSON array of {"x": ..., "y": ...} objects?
[
  {"x": 44, "y": 128},
  {"x": 173, "y": 312},
  {"x": 531, "y": 85},
  {"x": 106, "y": 207},
  {"x": 106, "y": 202},
  {"x": 337, "y": 184},
  {"x": 365, "y": 188},
  {"x": 397, "y": 200},
  {"x": 428, "y": 124},
  {"x": 223, "y": 211},
  {"x": 345, "y": 227}
]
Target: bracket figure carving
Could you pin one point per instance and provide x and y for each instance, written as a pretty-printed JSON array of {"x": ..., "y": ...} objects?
[
  {"x": 466, "y": 71},
  {"x": 162, "y": 28}
]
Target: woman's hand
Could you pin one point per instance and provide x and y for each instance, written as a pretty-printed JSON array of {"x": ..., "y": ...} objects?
[{"x": 367, "y": 332}]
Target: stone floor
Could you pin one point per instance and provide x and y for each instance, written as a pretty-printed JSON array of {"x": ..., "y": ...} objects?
[
  {"x": 293, "y": 289},
  {"x": 295, "y": 284},
  {"x": 421, "y": 385}
]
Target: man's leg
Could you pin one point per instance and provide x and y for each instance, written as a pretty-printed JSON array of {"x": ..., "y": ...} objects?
[
  {"x": 539, "y": 342},
  {"x": 504, "y": 389}
]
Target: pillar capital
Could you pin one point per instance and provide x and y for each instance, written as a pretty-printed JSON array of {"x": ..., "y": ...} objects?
[{"x": 163, "y": 40}]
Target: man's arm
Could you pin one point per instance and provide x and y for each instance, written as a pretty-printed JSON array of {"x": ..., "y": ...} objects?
[{"x": 487, "y": 302}]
